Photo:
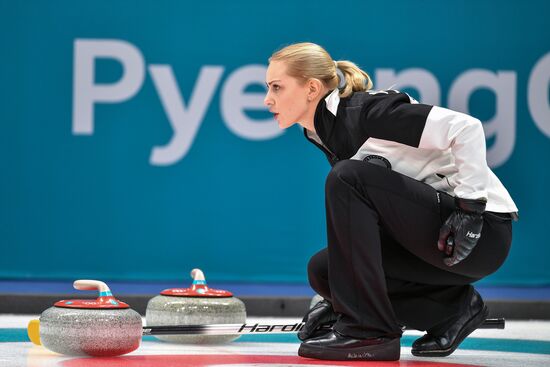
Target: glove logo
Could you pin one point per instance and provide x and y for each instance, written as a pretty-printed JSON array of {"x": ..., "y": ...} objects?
[{"x": 473, "y": 235}]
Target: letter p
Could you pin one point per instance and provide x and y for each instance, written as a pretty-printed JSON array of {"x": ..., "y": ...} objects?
[{"x": 86, "y": 93}]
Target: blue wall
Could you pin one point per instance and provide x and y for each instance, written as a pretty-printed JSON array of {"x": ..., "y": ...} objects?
[{"x": 114, "y": 195}]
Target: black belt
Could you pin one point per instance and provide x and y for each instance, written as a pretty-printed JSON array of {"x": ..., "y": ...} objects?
[{"x": 513, "y": 216}]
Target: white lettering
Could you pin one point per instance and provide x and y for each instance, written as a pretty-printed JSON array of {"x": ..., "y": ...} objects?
[
  {"x": 419, "y": 79},
  {"x": 502, "y": 126},
  {"x": 86, "y": 93},
  {"x": 537, "y": 94},
  {"x": 473, "y": 235},
  {"x": 234, "y": 101},
  {"x": 184, "y": 120}
]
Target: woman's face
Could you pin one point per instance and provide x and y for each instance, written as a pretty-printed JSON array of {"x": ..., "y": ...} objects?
[{"x": 286, "y": 98}]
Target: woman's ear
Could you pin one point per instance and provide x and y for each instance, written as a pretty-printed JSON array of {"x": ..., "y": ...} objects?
[{"x": 315, "y": 88}]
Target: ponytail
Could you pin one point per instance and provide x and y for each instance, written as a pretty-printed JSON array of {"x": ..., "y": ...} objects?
[
  {"x": 309, "y": 60},
  {"x": 357, "y": 80}
]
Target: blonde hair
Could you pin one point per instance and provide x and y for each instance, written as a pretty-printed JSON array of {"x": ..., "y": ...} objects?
[{"x": 309, "y": 60}]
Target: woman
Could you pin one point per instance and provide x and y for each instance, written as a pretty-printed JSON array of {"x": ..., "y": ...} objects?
[{"x": 414, "y": 214}]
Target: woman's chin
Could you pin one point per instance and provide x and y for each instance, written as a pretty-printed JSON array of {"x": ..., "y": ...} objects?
[
  {"x": 282, "y": 125},
  {"x": 285, "y": 124}
]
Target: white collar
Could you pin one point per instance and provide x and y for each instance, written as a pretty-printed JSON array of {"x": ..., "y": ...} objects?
[{"x": 332, "y": 101}]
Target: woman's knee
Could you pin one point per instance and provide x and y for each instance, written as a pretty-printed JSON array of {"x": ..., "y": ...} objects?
[
  {"x": 317, "y": 268},
  {"x": 491, "y": 250},
  {"x": 343, "y": 173},
  {"x": 358, "y": 174}
]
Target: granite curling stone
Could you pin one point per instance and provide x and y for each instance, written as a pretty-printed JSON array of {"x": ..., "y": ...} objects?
[
  {"x": 101, "y": 327},
  {"x": 198, "y": 305}
]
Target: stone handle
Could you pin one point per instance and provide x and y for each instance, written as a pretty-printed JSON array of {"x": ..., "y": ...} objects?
[
  {"x": 197, "y": 274},
  {"x": 92, "y": 285}
]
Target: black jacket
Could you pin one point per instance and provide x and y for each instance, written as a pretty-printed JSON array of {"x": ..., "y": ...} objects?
[
  {"x": 435, "y": 145},
  {"x": 387, "y": 115}
]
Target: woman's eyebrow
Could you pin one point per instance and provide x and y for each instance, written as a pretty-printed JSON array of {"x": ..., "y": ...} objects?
[{"x": 273, "y": 81}]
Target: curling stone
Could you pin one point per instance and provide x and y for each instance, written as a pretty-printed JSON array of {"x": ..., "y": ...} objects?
[
  {"x": 198, "y": 305},
  {"x": 101, "y": 327}
]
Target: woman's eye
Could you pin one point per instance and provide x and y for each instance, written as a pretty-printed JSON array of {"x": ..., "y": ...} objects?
[{"x": 275, "y": 87}]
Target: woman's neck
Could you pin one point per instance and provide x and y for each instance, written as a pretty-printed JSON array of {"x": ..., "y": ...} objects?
[
  {"x": 308, "y": 125},
  {"x": 308, "y": 122}
]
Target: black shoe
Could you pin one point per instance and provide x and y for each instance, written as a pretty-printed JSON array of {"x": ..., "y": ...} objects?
[
  {"x": 442, "y": 345},
  {"x": 337, "y": 347}
]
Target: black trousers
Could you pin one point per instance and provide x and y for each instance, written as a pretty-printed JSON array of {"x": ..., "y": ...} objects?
[{"x": 381, "y": 268}]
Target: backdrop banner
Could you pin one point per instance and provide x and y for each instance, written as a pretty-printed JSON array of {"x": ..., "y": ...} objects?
[{"x": 135, "y": 143}]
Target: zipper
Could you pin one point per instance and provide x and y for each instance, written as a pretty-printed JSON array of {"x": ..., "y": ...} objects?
[{"x": 333, "y": 157}]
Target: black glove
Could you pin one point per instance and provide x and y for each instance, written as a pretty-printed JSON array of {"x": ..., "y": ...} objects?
[
  {"x": 321, "y": 313},
  {"x": 459, "y": 234}
]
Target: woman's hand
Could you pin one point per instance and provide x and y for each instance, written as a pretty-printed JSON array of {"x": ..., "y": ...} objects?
[{"x": 459, "y": 234}]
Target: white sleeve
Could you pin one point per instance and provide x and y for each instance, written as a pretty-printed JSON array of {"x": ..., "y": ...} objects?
[{"x": 464, "y": 135}]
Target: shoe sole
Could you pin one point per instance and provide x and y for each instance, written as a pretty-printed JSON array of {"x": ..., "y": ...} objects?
[
  {"x": 467, "y": 330},
  {"x": 390, "y": 351}
]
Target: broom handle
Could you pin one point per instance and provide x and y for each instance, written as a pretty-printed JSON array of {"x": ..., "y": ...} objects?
[{"x": 241, "y": 329}]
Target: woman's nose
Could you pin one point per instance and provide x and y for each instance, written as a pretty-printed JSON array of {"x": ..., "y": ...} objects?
[{"x": 267, "y": 100}]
